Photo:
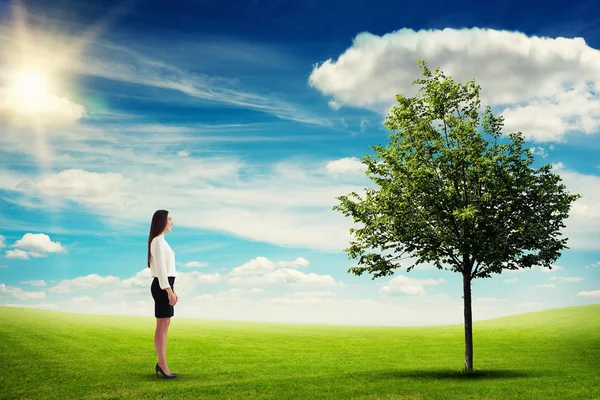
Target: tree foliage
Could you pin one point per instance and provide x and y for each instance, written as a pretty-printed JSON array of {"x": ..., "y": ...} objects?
[{"x": 452, "y": 192}]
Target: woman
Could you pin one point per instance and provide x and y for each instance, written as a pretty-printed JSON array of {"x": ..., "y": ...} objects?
[{"x": 161, "y": 261}]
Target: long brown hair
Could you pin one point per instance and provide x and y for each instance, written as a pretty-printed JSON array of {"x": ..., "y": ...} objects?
[{"x": 159, "y": 222}]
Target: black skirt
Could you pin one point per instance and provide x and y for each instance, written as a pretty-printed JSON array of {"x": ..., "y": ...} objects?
[{"x": 162, "y": 308}]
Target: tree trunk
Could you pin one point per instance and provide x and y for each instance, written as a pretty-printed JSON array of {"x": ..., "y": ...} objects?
[{"x": 468, "y": 321}]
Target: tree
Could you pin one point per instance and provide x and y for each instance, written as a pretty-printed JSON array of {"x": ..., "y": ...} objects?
[{"x": 455, "y": 192}]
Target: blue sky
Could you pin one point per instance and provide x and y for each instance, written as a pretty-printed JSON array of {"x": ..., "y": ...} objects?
[{"x": 246, "y": 120}]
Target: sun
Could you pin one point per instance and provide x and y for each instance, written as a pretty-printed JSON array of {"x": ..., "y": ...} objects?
[
  {"x": 29, "y": 83},
  {"x": 29, "y": 92}
]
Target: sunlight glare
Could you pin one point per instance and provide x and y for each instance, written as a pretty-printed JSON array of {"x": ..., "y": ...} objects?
[{"x": 29, "y": 83}]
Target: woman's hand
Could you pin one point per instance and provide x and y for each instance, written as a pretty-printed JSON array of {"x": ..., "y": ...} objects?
[{"x": 172, "y": 298}]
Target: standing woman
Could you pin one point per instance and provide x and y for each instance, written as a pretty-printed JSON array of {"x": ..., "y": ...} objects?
[{"x": 161, "y": 261}]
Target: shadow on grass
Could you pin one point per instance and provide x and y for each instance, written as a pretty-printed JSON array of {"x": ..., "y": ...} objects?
[{"x": 441, "y": 374}]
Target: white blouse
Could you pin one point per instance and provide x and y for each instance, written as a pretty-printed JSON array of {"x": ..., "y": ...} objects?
[{"x": 162, "y": 263}]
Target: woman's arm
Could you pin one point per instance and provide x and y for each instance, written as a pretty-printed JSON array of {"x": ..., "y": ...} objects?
[{"x": 157, "y": 250}]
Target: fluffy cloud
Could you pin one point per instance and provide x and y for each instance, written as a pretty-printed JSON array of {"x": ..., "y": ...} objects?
[
  {"x": 258, "y": 265},
  {"x": 347, "y": 165},
  {"x": 39, "y": 243},
  {"x": 262, "y": 265},
  {"x": 545, "y": 286},
  {"x": 288, "y": 205},
  {"x": 299, "y": 262},
  {"x": 283, "y": 276},
  {"x": 104, "y": 191},
  {"x": 594, "y": 293},
  {"x": 20, "y": 294},
  {"x": 583, "y": 224},
  {"x": 2, "y": 241},
  {"x": 17, "y": 254},
  {"x": 88, "y": 282},
  {"x": 511, "y": 280},
  {"x": 205, "y": 279},
  {"x": 195, "y": 264},
  {"x": 402, "y": 284},
  {"x": 594, "y": 265},
  {"x": 546, "y": 87},
  {"x": 261, "y": 271}
]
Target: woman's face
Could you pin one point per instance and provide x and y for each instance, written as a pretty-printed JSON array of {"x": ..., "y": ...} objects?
[{"x": 169, "y": 223}]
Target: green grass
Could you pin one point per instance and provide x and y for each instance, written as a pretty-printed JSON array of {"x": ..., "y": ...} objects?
[{"x": 552, "y": 354}]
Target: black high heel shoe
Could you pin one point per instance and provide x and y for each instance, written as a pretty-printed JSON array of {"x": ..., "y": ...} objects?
[{"x": 159, "y": 369}]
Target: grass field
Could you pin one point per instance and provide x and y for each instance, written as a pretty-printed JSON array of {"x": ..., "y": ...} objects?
[{"x": 552, "y": 354}]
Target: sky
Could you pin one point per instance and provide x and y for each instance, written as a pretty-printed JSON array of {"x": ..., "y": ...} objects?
[{"x": 245, "y": 119}]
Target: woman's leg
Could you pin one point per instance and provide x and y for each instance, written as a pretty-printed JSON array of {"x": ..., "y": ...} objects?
[{"x": 160, "y": 342}]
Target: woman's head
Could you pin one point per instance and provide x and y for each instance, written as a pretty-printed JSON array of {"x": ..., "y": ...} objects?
[{"x": 161, "y": 222}]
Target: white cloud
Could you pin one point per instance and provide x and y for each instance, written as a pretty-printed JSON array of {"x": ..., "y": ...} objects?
[
  {"x": 550, "y": 118},
  {"x": 566, "y": 279},
  {"x": 262, "y": 265},
  {"x": 195, "y": 264},
  {"x": 16, "y": 254},
  {"x": 593, "y": 293},
  {"x": 2, "y": 242},
  {"x": 594, "y": 265},
  {"x": 103, "y": 191},
  {"x": 583, "y": 225},
  {"x": 297, "y": 263},
  {"x": 206, "y": 279},
  {"x": 19, "y": 293},
  {"x": 334, "y": 105},
  {"x": 545, "y": 285},
  {"x": 35, "y": 283},
  {"x": 511, "y": 280},
  {"x": 347, "y": 165},
  {"x": 88, "y": 282},
  {"x": 402, "y": 284},
  {"x": 283, "y": 276},
  {"x": 39, "y": 243},
  {"x": 115, "y": 297},
  {"x": 547, "y": 86},
  {"x": 258, "y": 265},
  {"x": 140, "y": 280},
  {"x": 540, "y": 151},
  {"x": 183, "y": 153},
  {"x": 289, "y": 204}
]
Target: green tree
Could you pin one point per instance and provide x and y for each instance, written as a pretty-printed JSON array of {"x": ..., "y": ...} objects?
[{"x": 455, "y": 193}]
